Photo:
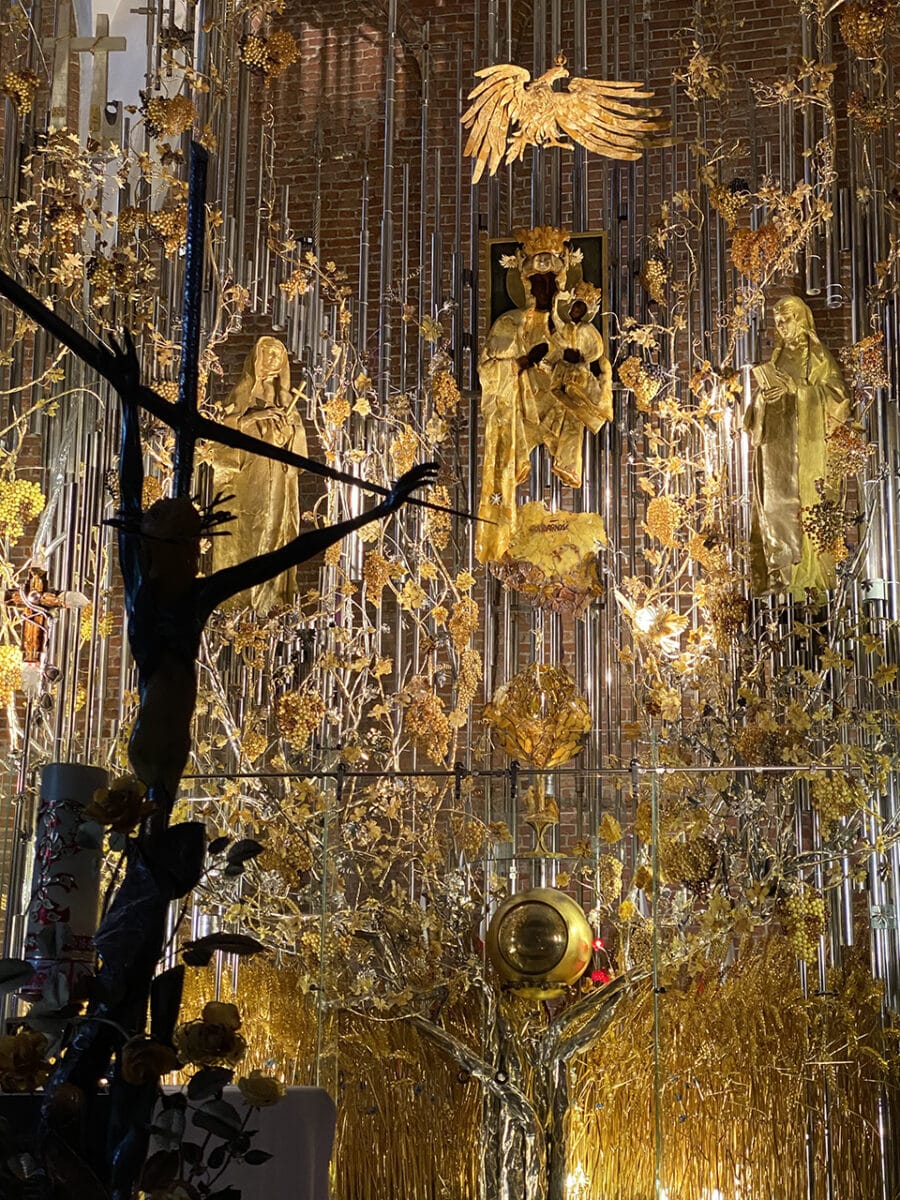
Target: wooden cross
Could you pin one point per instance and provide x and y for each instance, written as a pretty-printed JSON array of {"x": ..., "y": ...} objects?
[{"x": 61, "y": 46}]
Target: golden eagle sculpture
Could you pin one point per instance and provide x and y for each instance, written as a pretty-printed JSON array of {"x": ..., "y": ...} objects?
[{"x": 601, "y": 115}]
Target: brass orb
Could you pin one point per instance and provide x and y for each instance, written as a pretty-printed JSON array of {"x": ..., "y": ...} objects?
[{"x": 540, "y": 942}]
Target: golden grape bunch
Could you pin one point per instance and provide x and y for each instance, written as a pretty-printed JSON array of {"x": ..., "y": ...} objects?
[
  {"x": 804, "y": 923},
  {"x": 653, "y": 277},
  {"x": 298, "y": 714},
  {"x": 21, "y": 501},
  {"x": 21, "y": 87},
  {"x": 836, "y": 796},
  {"x": 10, "y": 672}
]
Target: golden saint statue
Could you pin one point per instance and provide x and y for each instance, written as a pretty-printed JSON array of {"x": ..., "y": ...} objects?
[
  {"x": 800, "y": 399},
  {"x": 266, "y": 498},
  {"x": 544, "y": 377}
]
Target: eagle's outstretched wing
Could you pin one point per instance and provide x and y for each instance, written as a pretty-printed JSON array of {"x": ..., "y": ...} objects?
[
  {"x": 602, "y": 116},
  {"x": 497, "y": 102}
]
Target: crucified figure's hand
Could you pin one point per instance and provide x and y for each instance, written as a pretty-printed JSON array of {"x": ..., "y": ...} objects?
[{"x": 423, "y": 475}]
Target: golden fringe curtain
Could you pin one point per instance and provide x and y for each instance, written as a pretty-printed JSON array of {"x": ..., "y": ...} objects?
[{"x": 748, "y": 1067}]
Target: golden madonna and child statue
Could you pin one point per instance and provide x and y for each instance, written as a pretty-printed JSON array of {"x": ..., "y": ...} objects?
[
  {"x": 545, "y": 378},
  {"x": 799, "y": 401}
]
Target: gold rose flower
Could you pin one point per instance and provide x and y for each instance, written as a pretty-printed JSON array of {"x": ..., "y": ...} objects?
[
  {"x": 213, "y": 1040},
  {"x": 216, "y": 1012},
  {"x": 260, "y": 1091},
  {"x": 121, "y": 806},
  {"x": 144, "y": 1060},
  {"x": 23, "y": 1067}
]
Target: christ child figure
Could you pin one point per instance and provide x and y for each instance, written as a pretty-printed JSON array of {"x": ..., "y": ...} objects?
[{"x": 581, "y": 382}]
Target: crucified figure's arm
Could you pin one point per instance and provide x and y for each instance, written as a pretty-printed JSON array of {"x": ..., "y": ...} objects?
[
  {"x": 224, "y": 584},
  {"x": 121, "y": 368}
]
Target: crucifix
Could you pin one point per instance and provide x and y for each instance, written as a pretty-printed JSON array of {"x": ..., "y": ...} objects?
[
  {"x": 100, "y": 46},
  {"x": 167, "y": 607},
  {"x": 35, "y": 601}
]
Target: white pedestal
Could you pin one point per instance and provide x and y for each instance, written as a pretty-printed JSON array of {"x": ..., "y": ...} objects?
[{"x": 299, "y": 1134}]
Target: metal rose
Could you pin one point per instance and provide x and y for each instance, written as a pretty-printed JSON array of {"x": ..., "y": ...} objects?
[
  {"x": 143, "y": 1060},
  {"x": 259, "y": 1090},
  {"x": 213, "y": 1040},
  {"x": 121, "y": 806},
  {"x": 22, "y": 1064}
]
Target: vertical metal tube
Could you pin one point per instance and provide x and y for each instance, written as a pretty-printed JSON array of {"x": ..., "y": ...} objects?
[{"x": 386, "y": 264}]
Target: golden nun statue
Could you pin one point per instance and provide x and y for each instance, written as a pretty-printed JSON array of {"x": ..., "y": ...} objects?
[
  {"x": 266, "y": 496},
  {"x": 544, "y": 378},
  {"x": 800, "y": 398}
]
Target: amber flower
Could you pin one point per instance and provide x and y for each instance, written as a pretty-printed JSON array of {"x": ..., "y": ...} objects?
[
  {"x": 865, "y": 361},
  {"x": 336, "y": 410},
  {"x": 260, "y": 1091},
  {"x": 143, "y": 1060},
  {"x": 847, "y": 453},
  {"x": 121, "y": 806},
  {"x": 23, "y": 1067},
  {"x": 213, "y": 1040}
]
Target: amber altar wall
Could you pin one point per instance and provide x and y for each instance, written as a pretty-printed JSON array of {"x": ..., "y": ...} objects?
[{"x": 729, "y": 822}]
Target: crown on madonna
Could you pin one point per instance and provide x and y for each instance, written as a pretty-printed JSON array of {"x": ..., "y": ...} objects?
[{"x": 544, "y": 239}]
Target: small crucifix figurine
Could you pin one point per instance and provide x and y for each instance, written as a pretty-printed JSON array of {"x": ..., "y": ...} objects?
[{"x": 35, "y": 600}]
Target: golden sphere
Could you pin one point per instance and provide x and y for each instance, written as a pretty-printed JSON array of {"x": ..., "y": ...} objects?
[{"x": 540, "y": 942}]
